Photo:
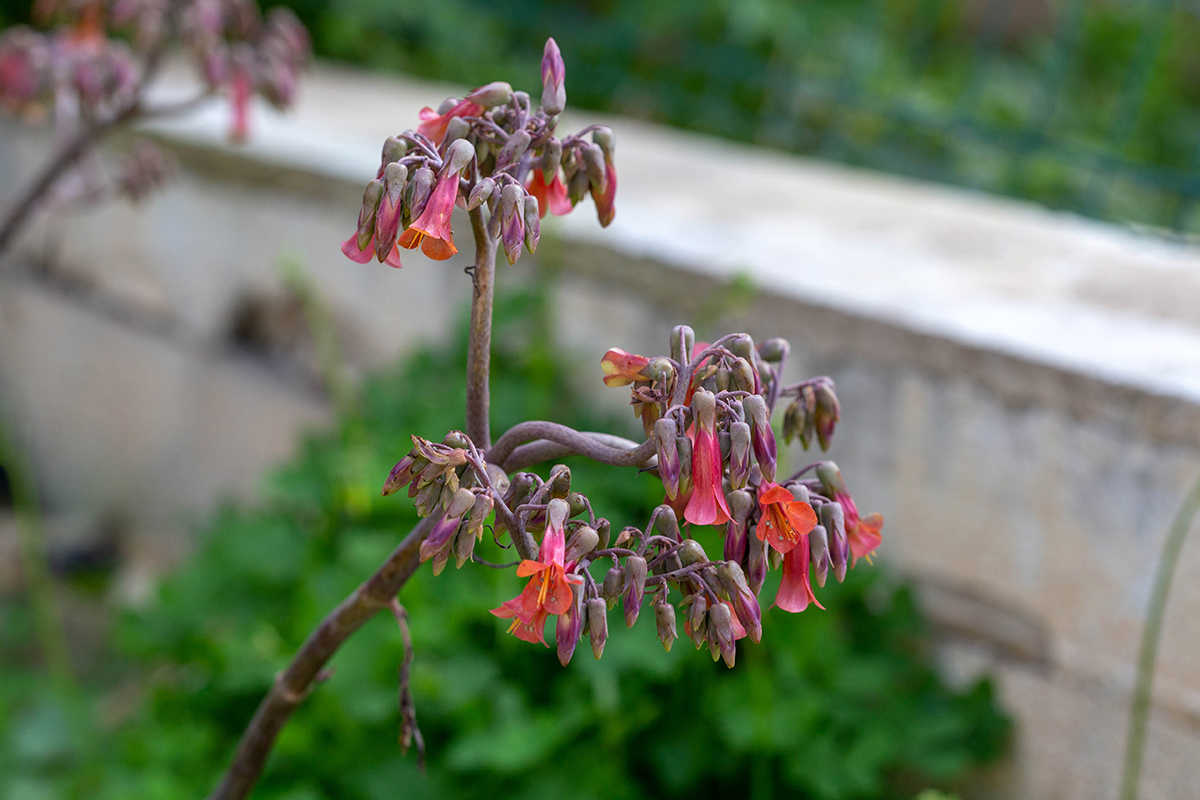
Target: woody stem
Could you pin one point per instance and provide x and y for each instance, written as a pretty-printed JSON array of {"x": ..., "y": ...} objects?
[{"x": 479, "y": 348}]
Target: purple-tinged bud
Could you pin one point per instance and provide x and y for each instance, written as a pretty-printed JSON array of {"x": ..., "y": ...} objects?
[
  {"x": 387, "y": 219},
  {"x": 437, "y": 544},
  {"x": 720, "y": 631},
  {"x": 737, "y": 530},
  {"x": 554, "y": 75},
  {"x": 416, "y": 194},
  {"x": 827, "y": 415},
  {"x": 429, "y": 498},
  {"x": 464, "y": 546},
  {"x": 834, "y": 521},
  {"x": 794, "y": 422},
  {"x": 458, "y": 155},
  {"x": 799, "y": 492},
  {"x": 393, "y": 150},
  {"x": 683, "y": 341},
  {"x": 457, "y": 130},
  {"x": 513, "y": 149},
  {"x": 666, "y": 523},
  {"x": 560, "y": 481},
  {"x": 533, "y": 224},
  {"x": 614, "y": 584},
  {"x": 665, "y": 435},
  {"x": 496, "y": 93},
  {"x": 756, "y": 564},
  {"x": 684, "y": 445},
  {"x": 581, "y": 544},
  {"x": 743, "y": 376},
  {"x": 818, "y": 548},
  {"x": 366, "y": 215},
  {"x": 808, "y": 409},
  {"x": 664, "y": 620},
  {"x": 831, "y": 478},
  {"x": 739, "y": 455},
  {"x": 447, "y": 104},
  {"x": 593, "y": 164},
  {"x": 402, "y": 474},
  {"x": 552, "y": 153},
  {"x": 691, "y": 552},
  {"x": 512, "y": 221},
  {"x": 577, "y": 187},
  {"x": 603, "y": 137},
  {"x": 745, "y": 604},
  {"x": 761, "y": 436},
  {"x": 697, "y": 626},
  {"x": 635, "y": 588},
  {"x": 604, "y": 528},
  {"x": 774, "y": 350},
  {"x": 597, "y": 622},
  {"x": 482, "y": 191},
  {"x": 569, "y": 626}
]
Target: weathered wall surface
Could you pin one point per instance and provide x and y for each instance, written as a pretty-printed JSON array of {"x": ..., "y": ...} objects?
[{"x": 1021, "y": 390}]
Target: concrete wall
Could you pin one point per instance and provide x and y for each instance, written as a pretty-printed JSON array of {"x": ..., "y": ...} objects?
[{"x": 1021, "y": 389}]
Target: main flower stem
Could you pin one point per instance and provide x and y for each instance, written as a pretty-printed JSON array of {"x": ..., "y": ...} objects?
[
  {"x": 1135, "y": 745},
  {"x": 479, "y": 349},
  {"x": 296, "y": 681}
]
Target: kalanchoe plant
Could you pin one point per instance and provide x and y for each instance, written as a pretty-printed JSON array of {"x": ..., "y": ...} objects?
[
  {"x": 705, "y": 410},
  {"x": 93, "y": 69}
]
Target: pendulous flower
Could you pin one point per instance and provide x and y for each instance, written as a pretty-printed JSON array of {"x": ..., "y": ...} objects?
[
  {"x": 784, "y": 518},
  {"x": 707, "y": 504}
]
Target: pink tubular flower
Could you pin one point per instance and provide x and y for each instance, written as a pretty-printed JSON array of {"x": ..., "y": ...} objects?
[
  {"x": 621, "y": 368},
  {"x": 785, "y": 520},
  {"x": 241, "y": 86},
  {"x": 434, "y": 124},
  {"x": 360, "y": 247},
  {"x": 432, "y": 229},
  {"x": 549, "y": 590},
  {"x": 551, "y": 197},
  {"x": 795, "y": 591},
  {"x": 865, "y": 533},
  {"x": 707, "y": 504}
]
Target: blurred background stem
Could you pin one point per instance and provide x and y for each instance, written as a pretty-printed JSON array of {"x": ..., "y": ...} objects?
[{"x": 1135, "y": 746}]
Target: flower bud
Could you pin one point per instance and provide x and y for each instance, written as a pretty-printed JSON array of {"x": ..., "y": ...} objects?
[
  {"x": 734, "y": 582},
  {"x": 577, "y": 187},
  {"x": 794, "y": 422},
  {"x": 593, "y": 164},
  {"x": 691, "y": 552},
  {"x": 697, "y": 626},
  {"x": 684, "y": 445},
  {"x": 416, "y": 194},
  {"x": 560, "y": 481},
  {"x": 457, "y": 130},
  {"x": 552, "y": 153},
  {"x": 581, "y": 544},
  {"x": 603, "y": 137},
  {"x": 464, "y": 546},
  {"x": 756, "y": 563},
  {"x": 513, "y": 149},
  {"x": 614, "y": 584},
  {"x": 741, "y": 503},
  {"x": 762, "y": 437},
  {"x": 665, "y": 435},
  {"x": 774, "y": 350},
  {"x": 402, "y": 474},
  {"x": 799, "y": 492},
  {"x": 603, "y": 527},
  {"x": 833, "y": 519},
  {"x": 482, "y": 191},
  {"x": 554, "y": 73},
  {"x": 393, "y": 150},
  {"x": 664, "y": 620},
  {"x": 666, "y": 522},
  {"x": 533, "y": 223},
  {"x": 597, "y": 622},
  {"x": 496, "y": 93},
  {"x": 635, "y": 588},
  {"x": 827, "y": 415},
  {"x": 739, "y": 455},
  {"x": 831, "y": 478},
  {"x": 512, "y": 220},
  {"x": 458, "y": 155},
  {"x": 818, "y": 548},
  {"x": 569, "y": 626},
  {"x": 372, "y": 196},
  {"x": 387, "y": 220},
  {"x": 720, "y": 627},
  {"x": 683, "y": 340},
  {"x": 743, "y": 376},
  {"x": 446, "y": 106}
]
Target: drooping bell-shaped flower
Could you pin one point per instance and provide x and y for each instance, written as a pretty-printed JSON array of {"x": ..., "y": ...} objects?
[
  {"x": 360, "y": 247},
  {"x": 864, "y": 533},
  {"x": 784, "y": 519},
  {"x": 744, "y": 603},
  {"x": 795, "y": 592},
  {"x": 707, "y": 504},
  {"x": 551, "y": 197},
  {"x": 431, "y": 230}
]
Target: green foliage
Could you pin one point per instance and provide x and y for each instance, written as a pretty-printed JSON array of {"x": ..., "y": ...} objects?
[{"x": 833, "y": 704}]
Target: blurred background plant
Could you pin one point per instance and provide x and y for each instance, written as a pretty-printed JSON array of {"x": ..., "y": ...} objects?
[
  {"x": 842, "y": 703},
  {"x": 1089, "y": 105}
]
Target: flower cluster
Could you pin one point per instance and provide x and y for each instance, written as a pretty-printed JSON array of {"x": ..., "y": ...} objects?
[
  {"x": 489, "y": 150},
  {"x": 92, "y": 65}
]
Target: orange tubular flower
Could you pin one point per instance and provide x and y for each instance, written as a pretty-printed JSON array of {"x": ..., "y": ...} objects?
[
  {"x": 785, "y": 520},
  {"x": 865, "y": 533},
  {"x": 549, "y": 590},
  {"x": 621, "y": 368},
  {"x": 795, "y": 591},
  {"x": 551, "y": 197}
]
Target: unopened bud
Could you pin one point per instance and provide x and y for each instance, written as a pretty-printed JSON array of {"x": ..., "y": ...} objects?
[
  {"x": 614, "y": 584},
  {"x": 447, "y": 104},
  {"x": 745, "y": 604},
  {"x": 366, "y": 215},
  {"x": 691, "y": 552},
  {"x": 762, "y": 437},
  {"x": 818, "y": 548},
  {"x": 664, "y": 620},
  {"x": 794, "y": 421},
  {"x": 496, "y": 93},
  {"x": 603, "y": 137},
  {"x": 512, "y": 220},
  {"x": 698, "y": 620},
  {"x": 756, "y": 563},
  {"x": 827, "y": 415},
  {"x": 416, "y": 194},
  {"x": 482, "y": 191},
  {"x": 604, "y": 528},
  {"x": 743, "y": 376},
  {"x": 569, "y": 626},
  {"x": 635, "y": 588},
  {"x": 684, "y": 445},
  {"x": 774, "y": 350},
  {"x": 457, "y": 130},
  {"x": 402, "y": 474},
  {"x": 831, "y": 478},
  {"x": 552, "y": 153},
  {"x": 683, "y": 340},
  {"x": 597, "y": 622},
  {"x": 577, "y": 187},
  {"x": 741, "y": 503},
  {"x": 513, "y": 149},
  {"x": 464, "y": 546},
  {"x": 560, "y": 481},
  {"x": 458, "y": 155},
  {"x": 799, "y": 492},
  {"x": 739, "y": 455},
  {"x": 554, "y": 73},
  {"x": 581, "y": 544},
  {"x": 720, "y": 622},
  {"x": 593, "y": 164},
  {"x": 666, "y": 522},
  {"x": 834, "y": 520},
  {"x": 533, "y": 224},
  {"x": 665, "y": 435},
  {"x": 393, "y": 150}
]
